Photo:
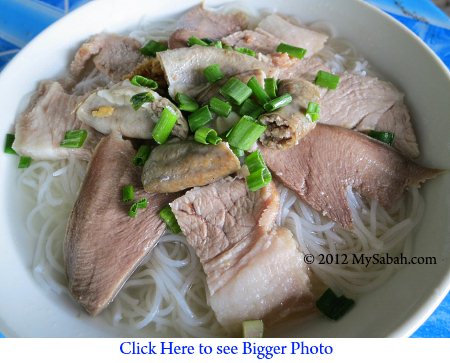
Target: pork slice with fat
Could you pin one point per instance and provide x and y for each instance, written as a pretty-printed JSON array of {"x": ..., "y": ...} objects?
[
  {"x": 41, "y": 128},
  {"x": 254, "y": 269},
  {"x": 202, "y": 23}
]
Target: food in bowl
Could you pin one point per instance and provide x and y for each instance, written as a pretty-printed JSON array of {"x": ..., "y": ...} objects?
[{"x": 187, "y": 140}]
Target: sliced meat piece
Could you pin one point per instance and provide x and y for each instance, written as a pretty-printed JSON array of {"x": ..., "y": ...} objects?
[
  {"x": 41, "y": 128},
  {"x": 259, "y": 41},
  {"x": 397, "y": 120},
  {"x": 292, "y": 34},
  {"x": 202, "y": 23},
  {"x": 273, "y": 284},
  {"x": 110, "y": 109},
  {"x": 331, "y": 158},
  {"x": 293, "y": 68},
  {"x": 253, "y": 271},
  {"x": 184, "y": 67},
  {"x": 103, "y": 245},
  {"x": 286, "y": 126},
  {"x": 356, "y": 98},
  {"x": 181, "y": 165},
  {"x": 112, "y": 55}
]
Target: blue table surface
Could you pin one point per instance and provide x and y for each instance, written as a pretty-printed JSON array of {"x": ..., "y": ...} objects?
[{"x": 422, "y": 17}]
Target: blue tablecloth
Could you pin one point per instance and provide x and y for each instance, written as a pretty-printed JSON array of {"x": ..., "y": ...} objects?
[{"x": 422, "y": 17}]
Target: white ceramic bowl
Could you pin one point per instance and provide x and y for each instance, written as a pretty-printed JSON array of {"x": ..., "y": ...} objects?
[{"x": 395, "y": 309}]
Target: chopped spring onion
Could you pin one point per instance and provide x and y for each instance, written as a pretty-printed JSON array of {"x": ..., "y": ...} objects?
[
  {"x": 291, "y": 50},
  {"x": 258, "y": 91},
  {"x": 196, "y": 41},
  {"x": 152, "y": 47},
  {"x": 255, "y": 161},
  {"x": 127, "y": 193},
  {"x": 24, "y": 162},
  {"x": 252, "y": 329},
  {"x": 74, "y": 139},
  {"x": 213, "y": 73},
  {"x": 142, "y": 155},
  {"x": 332, "y": 306},
  {"x": 271, "y": 87},
  {"x": 186, "y": 103},
  {"x": 326, "y": 80},
  {"x": 206, "y": 135},
  {"x": 8, "y": 144},
  {"x": 167, "y": 216},
  {"x": 313, "y": 111},
  {"x": 383, "y": 136},
  {"x": 164, "y": 126},
  {"x": 227, "y": 47},
  {"x": 251, "y": 108},
  {"x": 142, "y": 81},
  {"x": 140, "y": 98},
  {"x": 217, "y": 44},
  {"x": 236, "y": 90},
  {"x": 278, "y": 102},
  {"x": 246, "y": 51},
  {"x": 238, "y": 152},
  {"x": 245, "y": 133},
  {"x": 141, "y": 204},
  {"x": 222, "y": 108},
  {"x": 258, "y": 179},
  {"x": 199, "y": 118}
]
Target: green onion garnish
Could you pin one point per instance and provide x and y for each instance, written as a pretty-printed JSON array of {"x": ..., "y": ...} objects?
[
  {"x": 142, "y": 155},
  {"x": 291, "y": 50},
  {"x": 8, "y": 144},
  {"x": 227, "y": 47},
  {"x": 74, "y": 139},
  {"x": 313, "y": 111},
  {"x": 141, "y": 81},
  {"x": 186, "y": 103},
  {"x": 236, "y": 90},
  {"x": 196, "y": 41},
  {"x": 251, "y": 108},
  {"x": 167, "y": 216},
  {"x": 216, "y": 44},
  {"x": 271, "y": 87},
  {"x": 152, "y": 47},
  {"x": 140, "y": 98},
  {"x": 141, "y": 204},
  {"x": 206, "y": 135},
  {"x": 253, "y": 329},
  {"x": 238, "y": 152},
  {"x": 278, "y": 102},
  {"x": 255, "y": 161},
  {"x": 383, "y": 136},
  {"x": 213, "y": 73},
  {"x": 258, "y": 179},
  {"x": 246, "y": 51},
  {"x": 326, "y": 80},
  {"x": 244, "y": 134},
  {"x": 332, "y": 306},
  {"x": 220, "y": 107},
  {"x": 258, "y": 91},
  {"x": 127, "y": 193},
  {"x": 164, "y": 126},
  {"x": 24, "y": 162},
  {"x": 199, "y": 118}
]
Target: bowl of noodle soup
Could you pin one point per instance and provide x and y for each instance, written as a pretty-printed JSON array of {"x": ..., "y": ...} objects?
[{"x": 166, "y": 294}]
